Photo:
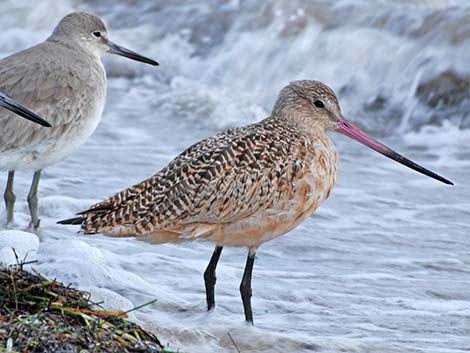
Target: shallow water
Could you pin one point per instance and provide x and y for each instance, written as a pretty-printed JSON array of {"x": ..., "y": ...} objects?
[{"x": 382, "y": 266}]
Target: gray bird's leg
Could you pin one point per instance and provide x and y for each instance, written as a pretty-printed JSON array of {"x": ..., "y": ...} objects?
[
  {"x": 33, "y": 200},
  {"x": 210, "y": 277},
  {"x": 9, "y": 196},
  {"x": 245, "y": 285}
]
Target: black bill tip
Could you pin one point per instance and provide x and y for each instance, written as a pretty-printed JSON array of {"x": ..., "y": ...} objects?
[
  {"x": 119, "y": 50},
  {"x": 410, "y": 164},
  {"x": 15, "y": 107}
]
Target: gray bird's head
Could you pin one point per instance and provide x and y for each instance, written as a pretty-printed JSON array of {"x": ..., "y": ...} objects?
[
  {"x": 89, "y": 33},
  {"x": 313, "y": 107}
]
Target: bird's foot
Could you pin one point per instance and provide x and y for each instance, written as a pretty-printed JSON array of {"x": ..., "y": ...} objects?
[{"x": 34, "y": 225}]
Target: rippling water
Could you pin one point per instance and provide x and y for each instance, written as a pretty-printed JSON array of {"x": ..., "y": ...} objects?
[{"x": 382, "y": 266}]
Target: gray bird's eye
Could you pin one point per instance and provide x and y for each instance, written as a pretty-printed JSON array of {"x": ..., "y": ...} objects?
[{"x": 97, "y": 34}]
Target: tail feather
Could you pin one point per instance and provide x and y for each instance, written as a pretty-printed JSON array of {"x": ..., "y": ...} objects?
[{"x": 76, "y": 220}]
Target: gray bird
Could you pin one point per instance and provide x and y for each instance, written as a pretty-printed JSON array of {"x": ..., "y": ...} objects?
[
  {"x": 15, "y": 107},
  {"x": 64, "y": 79}
]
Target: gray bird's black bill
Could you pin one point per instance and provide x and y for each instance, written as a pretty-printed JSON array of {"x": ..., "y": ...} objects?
[
  {"x": 17, "y": 108},
  {"x": 118, "y": 50}
]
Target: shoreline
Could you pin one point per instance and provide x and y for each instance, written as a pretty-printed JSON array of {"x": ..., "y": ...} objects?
[{"x": 42, "y": 315}]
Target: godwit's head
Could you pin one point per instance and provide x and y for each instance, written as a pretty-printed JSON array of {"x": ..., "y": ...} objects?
[
  {"x": 309, "y": 104},
  {"x": 88, "y": 33},
  {"x": 313, "y": 106}
]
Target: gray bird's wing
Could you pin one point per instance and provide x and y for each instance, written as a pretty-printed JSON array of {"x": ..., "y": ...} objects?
[{"x": 48, "y": 82}]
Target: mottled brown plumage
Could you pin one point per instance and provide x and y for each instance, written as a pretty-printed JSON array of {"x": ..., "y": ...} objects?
[{"x": 242, "y": 187}]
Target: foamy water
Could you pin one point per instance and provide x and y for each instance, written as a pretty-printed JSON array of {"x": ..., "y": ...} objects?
[{"x": 382, "y": 266}]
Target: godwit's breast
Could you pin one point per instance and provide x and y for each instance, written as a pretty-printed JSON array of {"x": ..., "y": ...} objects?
[{"x": 296, "y": 199}]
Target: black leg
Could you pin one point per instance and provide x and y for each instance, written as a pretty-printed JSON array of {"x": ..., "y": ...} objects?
[
  {"x": 245, "y": 285},
  {"x": 210, "y": 278}
]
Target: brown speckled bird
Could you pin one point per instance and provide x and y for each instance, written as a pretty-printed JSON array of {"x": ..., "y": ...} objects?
[{"x": 242, "y": 187}]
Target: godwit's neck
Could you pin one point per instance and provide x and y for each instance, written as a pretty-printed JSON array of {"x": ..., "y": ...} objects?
[
  {"x": 300, "y": 117},
  {"x": 303, "y": 125},
  {"x": 325, "y": 162}
]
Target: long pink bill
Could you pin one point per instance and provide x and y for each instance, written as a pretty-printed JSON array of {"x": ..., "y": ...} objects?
[{"x": 348, "y": 129}]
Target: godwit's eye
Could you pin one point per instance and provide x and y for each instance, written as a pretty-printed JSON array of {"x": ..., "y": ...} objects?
[
  {"x": 319, "y": 104},
  {"x": 97, "y": 34}
]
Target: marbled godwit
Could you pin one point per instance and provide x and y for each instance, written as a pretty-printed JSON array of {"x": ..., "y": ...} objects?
[
  {"x": 17, "y": 108},
  {"x": 62, "y": 78},
  {"x": 242, "y": 187}
]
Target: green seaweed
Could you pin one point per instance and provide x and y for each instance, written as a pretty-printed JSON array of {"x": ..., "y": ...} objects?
[{"x": 41, "y": 316}]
